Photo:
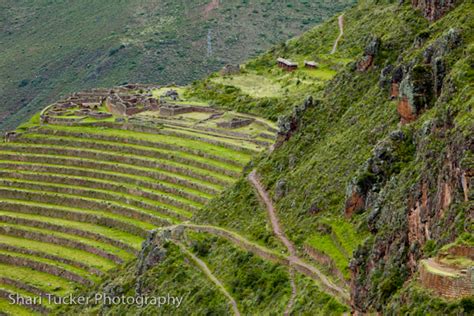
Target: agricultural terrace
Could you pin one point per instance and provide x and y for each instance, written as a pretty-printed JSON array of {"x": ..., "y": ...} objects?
[{"x": 80, "y": 186}]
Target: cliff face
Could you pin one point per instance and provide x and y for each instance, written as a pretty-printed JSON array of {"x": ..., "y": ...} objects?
[
  {"x": 434, "y": 208},
  {"x": 427, "y": 203},
  {"x": 433, "y": 9}
]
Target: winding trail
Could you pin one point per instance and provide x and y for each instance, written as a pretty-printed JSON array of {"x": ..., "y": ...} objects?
[
  {"x": 294, "y": 260},
  {"x": 268, "y": 254},
  {"x": 253, "y": 177},
  {"x": 340, "y": 21},
  {"x": 278, "y": 231},
  {"x": 203, "y": 266}
]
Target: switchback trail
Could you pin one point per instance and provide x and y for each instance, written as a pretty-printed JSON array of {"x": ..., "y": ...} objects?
[
  {"x": 268, "y": 254},
  {"x": 294, "y": 260},
  {"x": 203, "y": 266},
  {"x": 340, "y": 21}
]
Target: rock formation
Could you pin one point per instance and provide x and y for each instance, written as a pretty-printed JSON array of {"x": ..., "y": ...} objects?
[{"x": 433, "y": 9}]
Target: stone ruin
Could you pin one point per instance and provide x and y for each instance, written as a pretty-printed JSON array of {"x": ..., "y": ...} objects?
[
  {"x": 235, "y": 122},
  {"x": 455, "y": 282},
  {"x": 122, "y": 101},
  {"x": 173, "y": 109}
]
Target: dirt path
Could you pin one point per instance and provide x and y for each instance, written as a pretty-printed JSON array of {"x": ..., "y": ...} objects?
[
  {"x": 340, "y": 21},
  {"x": 203, "y": 266},
  {"x": 268, "y": 254},
  {"x": 279, "y": 233},
  {"x": 294, "y": 260},
  {"x": 271, "y": 213},
  {"x": 291, "y": 301}
]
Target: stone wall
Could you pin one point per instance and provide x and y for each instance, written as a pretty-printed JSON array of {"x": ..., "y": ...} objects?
[
  {"x": 447, "y": 286},
  {"x": 75, "y": 216},
  {"x": 44, "y": 267},
  {"x": 68, "y": 230},
  {"x": 235, "y": 123},
  {"x": 33, "y": 235}
]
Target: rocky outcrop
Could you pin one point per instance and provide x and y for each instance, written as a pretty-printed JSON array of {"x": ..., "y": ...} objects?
[
  {"x": 289, "y": 124},
  {"x": 416, "y": 93},
  {"x": 406, "y": 217},
  {"x": 362, "y": 191},
  {"x": 152, "y": 251},
  {"x": 419, "y": 87},
  {"x": 230, "y": 69},
  {"x": 370, "y": 52},
  {"x": 433, "y": 9}
]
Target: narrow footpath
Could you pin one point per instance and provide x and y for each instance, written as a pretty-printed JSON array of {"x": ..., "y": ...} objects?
[
  {"x": 294, "y": 260},
  {"x": 340, "y": 21},
  {"x": 280, "y": 235},
  {"x": 203, "y": 266},
  {"x": 267, "y": 254}
]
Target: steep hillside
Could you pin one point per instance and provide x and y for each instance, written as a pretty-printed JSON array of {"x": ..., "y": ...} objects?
[
  {"x": 382, "y": 151},
  {"x": 52, "y": 48},
  {"x": 361, "y": 203}
]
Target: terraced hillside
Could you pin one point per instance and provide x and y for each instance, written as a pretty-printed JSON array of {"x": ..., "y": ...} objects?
[
  {"x": 77, "y": 199},
  {"x": 363, "y": 203}
]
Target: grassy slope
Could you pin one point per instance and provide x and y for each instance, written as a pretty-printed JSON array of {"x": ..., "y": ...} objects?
[
  {"x": 338, "y": 135},
  {"x": 50, "y": 48}
]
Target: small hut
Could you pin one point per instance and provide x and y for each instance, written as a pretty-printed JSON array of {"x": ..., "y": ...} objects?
[
  {"x": 310, "y": 64},
  {"x": 286, "y": 64}
]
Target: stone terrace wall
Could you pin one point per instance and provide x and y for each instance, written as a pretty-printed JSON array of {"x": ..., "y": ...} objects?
[{"x": 447, "y": 286}]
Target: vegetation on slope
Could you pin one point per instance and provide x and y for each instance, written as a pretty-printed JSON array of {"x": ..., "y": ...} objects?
[
  {"x": 347, "y": 135},
  {"x": 350, "y": 120}
]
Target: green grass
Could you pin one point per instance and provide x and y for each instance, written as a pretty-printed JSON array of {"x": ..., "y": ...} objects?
[
  {"x": 58, "y": 178},
  {"x": 84, "y": 142},
  {"x": 162, "y": 165},
  {"x": 191, "y": 191},
  {"x": 121, "y": 197},
  {"x": 14, "y": 310},
  {"x": 66, "y": 267},
  {"x": 113, "y": 233},
  {"x": 238, "y": 144},
  {"x": 96, "y": 244},
  {"x": 60, "y": 251},
  {"x": 252, "y": 84},
  {"x": 24, "y": 293},
  {"x": 346, "y": 234},
  {"x": 461, "y": 262},
  {"x": 172, "y": 140},
  {"x": 63, "y": 196},
  {"x": 157, "y": 93},
  {"x": 434, "y": 270},
  {"x": 60, "y": 208},
  {"x": 325, "y": 244},
  {"x": 112, "y": 165},
  {"x": 47, "y": 282}
]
